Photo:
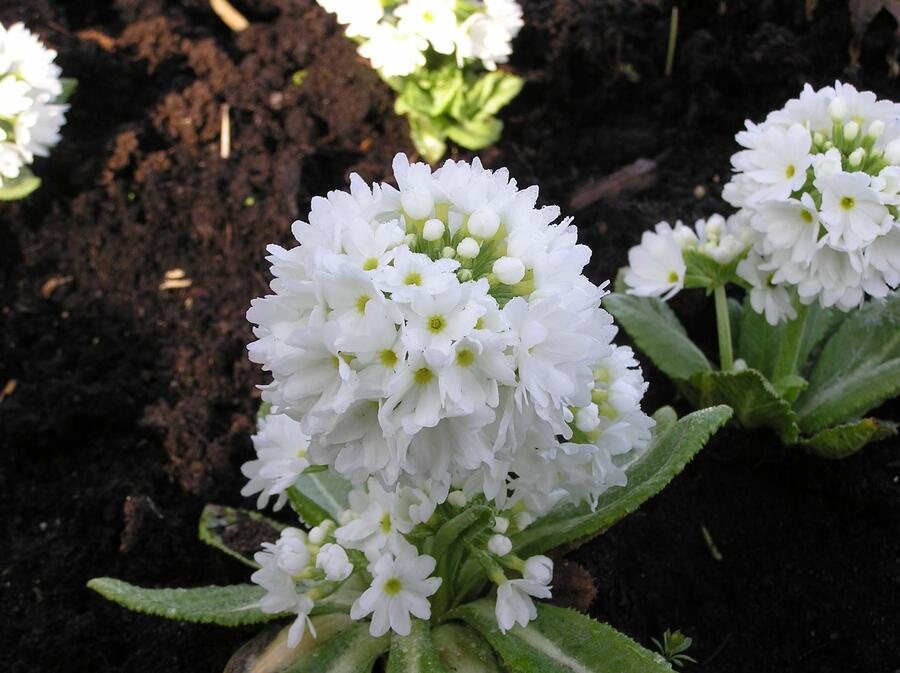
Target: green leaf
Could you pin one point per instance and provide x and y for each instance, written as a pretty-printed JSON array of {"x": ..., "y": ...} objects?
[
  {"x": 672, "y": 449},
  {"x": 462, "y": 650},
  {"x": 341, "y": 600},
  {"x": 317, "y": 496},
  {"x": 428, "y": 136},
  {"x": 858, "y": 368},
  {"x": 658, "y": 333},
  {"x": 351, "y": 651},
  {"x": 237, "y": 532},
  {"x": 414, "y": 653},
  {"x": 20, "y": 187},
  {"x": 268, "y": 651},
  {"x": 501, "y": 88},
  {"x": 841, "y": 441},
  {"x": 69, "y": 85},
  {"x": 476, "y": 134},
  {"x": 234, "y": 605},
  {"x": 705, "y": 272},
  {"x": 448, "y": 549},
  {"x": 755, "y": 402},
  {"x": 561, "y": 641}
]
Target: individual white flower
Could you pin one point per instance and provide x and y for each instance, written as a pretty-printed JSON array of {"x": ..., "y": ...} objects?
[
  {"x": 791, "y": 225},
  {"x": 401, "y": 586},
  {"x": 433, "y": 20},
  {"x": 280, "y": 445},
  {"x": 656, "y": 267},
  {"x": 539, "y": 569},
  {"x": 775, "y": 158},
  {"x": 377, "y": 524},
  {"x": 333, "y": 561},
  {"x": 29, "y": 88},
  {"x": 394, "y": 52},
  {"x": 773, "y": 301},
  {"x": 514, "y": 604},
  {"x": 360, "y": 16},
  {"x": 279, "y": 564},
  {"x": 488, "y": 35},
  {"x": 852, "y": 213}
]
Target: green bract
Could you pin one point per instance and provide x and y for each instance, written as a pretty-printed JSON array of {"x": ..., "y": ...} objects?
[{"x": 463, "y": 634}]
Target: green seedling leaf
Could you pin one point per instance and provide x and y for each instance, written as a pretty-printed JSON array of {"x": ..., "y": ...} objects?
[
  {"x": 353, "y": 650},
  {"x": 673, "y": 447},
  {"x": 234, "y": 605},
  {"x": 844, "y": 440},
  {"x": 414, "y": 653},
  {"x": 462, "y": 650},
  {"x": 19, "y": 187},
  {"x": 857, "y": 370},
  {"x": 237, "y": 532},
  {"x": 476, "y": 134},
  {"x": 755, "y": 402},
  {"x": 658, "y": 334},
  {"x": 561, "y": 641}
]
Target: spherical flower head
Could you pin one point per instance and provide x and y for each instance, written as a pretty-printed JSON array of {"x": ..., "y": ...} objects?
[
  {"x": 29, "y": 87},
  {"x": 401, "y": 586},
  {"x": 815, "y": 182},
  {"x": 408, "y": 368}
]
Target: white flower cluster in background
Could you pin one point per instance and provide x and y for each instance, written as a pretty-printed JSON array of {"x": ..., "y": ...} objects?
[
  {"x": 29, "y": 84},
  {"x": 395, "y": 36},
  {"x": 819, "y": 180},
  {"x": 438, "y": 345},
  {"x": 657, "y": 266}
]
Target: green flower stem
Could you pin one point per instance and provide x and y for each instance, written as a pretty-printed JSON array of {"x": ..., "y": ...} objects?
[
  {"x": 786, "y": 363},
  {"x": 723, "y": 327}
]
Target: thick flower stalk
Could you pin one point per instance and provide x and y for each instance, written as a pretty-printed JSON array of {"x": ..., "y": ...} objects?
[
  {"x": 31, "y": 113},
  {"x": 434, "y": 54},
  {"x": 437, "y": 345}
]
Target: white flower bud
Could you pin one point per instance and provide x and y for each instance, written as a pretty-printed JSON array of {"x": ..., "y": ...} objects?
[
  {"x": 448, "y": 252},
  {"x": 501, "y": 525},
  {"x": 851, "y": 130},
  {"x": 509, "y": 270},
  {"x": 892, "y": 152},
  {"x": 856, "y": 157},
  {"x": 468, "y": 248},
  {"x": 433, "y": 230},
  {"x": 587, "y": 418},
  {"x": 837, "y": 108},
  {"x": 332, "y": 559},
  {"x": 317, "y": 535},
  {"x": 523, "y": 520},
  {"x": 292, "y": 554},
  {"x": 538, "y": 569},
  {"x": 484, "y": 223},
  {"x": 499, "y": 545},
  {"x": 876, "y": 129},
  {"x": 346, "y": 516},
  {"x": 818, "y": 138},
  {"x": 457, "y": 499},
  {"x": 417, "y": 203}
]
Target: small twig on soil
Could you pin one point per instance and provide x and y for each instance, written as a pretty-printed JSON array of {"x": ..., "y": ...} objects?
[
  {"x": 105, "y": 42},
  {"x": 8, "y": 389},
  {"x": 710, "y": 544},
  {"x": 225, "y": 132},
  {"x": 635, "y": 177},
  {"x": 175, "y": 280},
  {"x": 673, "y": 39},
  {"x": 718, "y": 650},
  {"x": 229, "y": 15},
  {"x": 51, "y": 284}
]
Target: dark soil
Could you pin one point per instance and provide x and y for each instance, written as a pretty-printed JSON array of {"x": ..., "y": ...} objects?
[{"x": 133, "y": 405}]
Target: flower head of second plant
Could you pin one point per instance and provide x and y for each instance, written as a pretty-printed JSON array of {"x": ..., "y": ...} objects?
[{"x": 31, "y": 114}]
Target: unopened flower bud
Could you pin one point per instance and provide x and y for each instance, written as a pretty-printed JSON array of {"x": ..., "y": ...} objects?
[
  {"x": 892, "y": 152},
  {"x": 468, "y": 248},
  {"x": 876, "y": 129},
  {"x": 538, "y": 569},
  {"x": 523, "y": 520},
  {"x": 851, "y": 130},
  {"x": 499, "y": 545},
  {"x": 417, "y": 203},
  {"x": 837, "y": 108},
  {"x": 509, "y": 270},
  {"x": 856, "y": 157},
  {"x": 587, "y": 418},
  {"x": 448, "y": 252},
  {"x": 433, "y": 230},
  {"x": 501, "y": 525},
  {"x": 457, "y": 499},
  {"x": 484, "y": 223}
]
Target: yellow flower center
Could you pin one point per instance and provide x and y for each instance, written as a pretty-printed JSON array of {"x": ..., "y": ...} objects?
[
  {"x": 423, "y": 376},
  {"x": 465, "y": 357},
  {"x": 436, "y": 323},
  {"x": 393, "y": 587},
  {"x": 371, "y": 264},
  {"x": 847, "y": 203},
  {"x": 413, "y": 278},
  {"x": 388, "y": 357}
]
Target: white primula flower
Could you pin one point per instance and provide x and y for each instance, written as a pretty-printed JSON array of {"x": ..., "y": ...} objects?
[
  {"x": 514, "y": 604},
  {"x": 281, "y": 447},
  {"x": 360, "y": 16},
  {"x": 433, "y": 20},
  {"x": 656, "y": 267},
  {"x": 401, "y": 586},
  {"x": 378, "y": 523},
  {"x": 279, "y": 564},
  {"x": 333, "y": 561},
  {"x": 488, "y": 35},
  {"x": 29, "y": 88},
  {"x": 394, "y": 52},
  {"x": 819, "y": 181}
]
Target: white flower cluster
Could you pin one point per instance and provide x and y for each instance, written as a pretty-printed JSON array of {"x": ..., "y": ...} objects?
[
  {"x": 819, "y": 180},
  {"x": 396, "y": 38},
  {"x": 29, "y": 84},
  {"x": 438, "y": 345},
  {"x": 657, "y": 266}
]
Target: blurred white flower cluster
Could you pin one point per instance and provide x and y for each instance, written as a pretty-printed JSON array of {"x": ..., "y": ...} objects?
[
  {"x": 818, "y": 191},
  {"x": 29, "y": 86},
  {"x": 438, "y": 345},
  {"x": 396, "y": 35},
  {"x": 820, "y": 183}
]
